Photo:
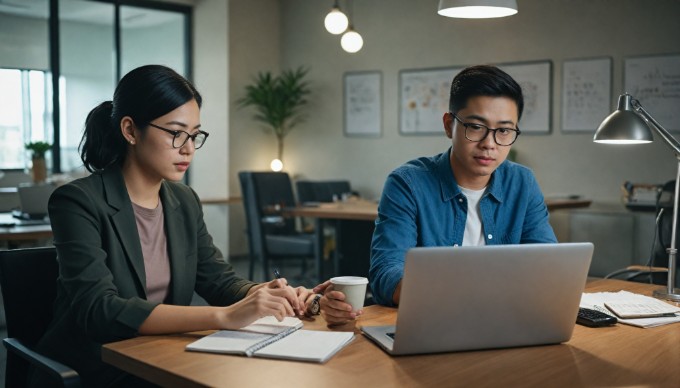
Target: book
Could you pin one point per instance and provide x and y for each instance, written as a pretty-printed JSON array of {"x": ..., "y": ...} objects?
[{"x": 269, "y": 338}]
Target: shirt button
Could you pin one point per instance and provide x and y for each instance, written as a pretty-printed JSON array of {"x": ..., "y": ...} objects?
[
  {"x": 489, "y": 236},
  {"x": 460, "y": 200},
  {"x": 455, "y": 245}
]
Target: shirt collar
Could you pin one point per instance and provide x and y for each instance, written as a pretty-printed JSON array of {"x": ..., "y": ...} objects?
[{"x": 449, "y": 186}]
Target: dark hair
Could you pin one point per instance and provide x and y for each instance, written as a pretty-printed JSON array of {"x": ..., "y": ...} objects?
[
  {"x": 484, "y": 80},
  {"x": 144, "y": 94}
]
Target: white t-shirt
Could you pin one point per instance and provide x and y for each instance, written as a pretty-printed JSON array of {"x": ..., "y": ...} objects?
[{"x": 473, "y": 234}]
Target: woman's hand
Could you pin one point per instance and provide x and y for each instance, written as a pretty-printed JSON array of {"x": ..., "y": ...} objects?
[
  {"x": 275, "y": 298},
  {"x": 333, "y": 307}
]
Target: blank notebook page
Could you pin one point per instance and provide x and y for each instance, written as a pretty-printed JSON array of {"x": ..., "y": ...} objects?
[{"x": 307, "y": 345}]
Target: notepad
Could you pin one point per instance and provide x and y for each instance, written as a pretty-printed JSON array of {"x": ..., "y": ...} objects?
[
  {"x": 641, "y": 308},
  {"x": 269, "y": 338}
]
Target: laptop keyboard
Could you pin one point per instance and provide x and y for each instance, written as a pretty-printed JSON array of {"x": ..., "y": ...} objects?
[{"x": 391, "y": 335}]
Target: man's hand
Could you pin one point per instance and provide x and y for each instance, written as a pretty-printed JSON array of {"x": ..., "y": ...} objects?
[{"x": 333, "y": 307}]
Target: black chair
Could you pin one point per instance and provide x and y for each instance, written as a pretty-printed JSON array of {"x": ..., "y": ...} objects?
[
  {"x": 322, "y": 191},
  {"x": 270, "y": 235},
  {"x": 28, "y": 280}
]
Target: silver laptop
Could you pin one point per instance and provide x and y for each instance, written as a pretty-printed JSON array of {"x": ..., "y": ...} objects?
[
  {"x": 33, "y": 200},
  {"x": 500, "y": 296}
]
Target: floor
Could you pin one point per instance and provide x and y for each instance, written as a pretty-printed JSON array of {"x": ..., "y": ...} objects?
[{"x": 291, "y": 270}]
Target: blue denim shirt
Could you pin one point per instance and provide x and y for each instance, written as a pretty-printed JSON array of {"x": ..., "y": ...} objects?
[{"x": 421, "y": 206}]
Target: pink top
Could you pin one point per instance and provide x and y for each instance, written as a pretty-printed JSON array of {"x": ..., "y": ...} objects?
[{"x": 151, "y": 229}]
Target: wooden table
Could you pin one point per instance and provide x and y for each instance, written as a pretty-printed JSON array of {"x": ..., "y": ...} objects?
[
  {"x": 363, "y": 210},
  {"x": 614, "y": 356},
  {"x": 353, "y": 221},
  {"x": 16, "y": 233}
]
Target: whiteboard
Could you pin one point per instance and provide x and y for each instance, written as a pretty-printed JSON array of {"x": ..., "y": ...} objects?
[
  {"x": 363, "y": 107},
  {"x": 655, "y": 82},
  {"x": 586, "y": 93},
  {"x": 534, "y": 78}
]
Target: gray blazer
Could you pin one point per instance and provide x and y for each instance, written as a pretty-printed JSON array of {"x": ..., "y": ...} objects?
[{"x": 101, "y": 293}]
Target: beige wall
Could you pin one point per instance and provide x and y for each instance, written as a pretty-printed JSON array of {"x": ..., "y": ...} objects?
[{"x": 407, "y": 34}]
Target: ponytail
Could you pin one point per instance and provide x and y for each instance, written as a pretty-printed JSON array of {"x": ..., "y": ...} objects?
[
  {"x": 101, "y": 145},
  {"x": 143, "y": 94}
]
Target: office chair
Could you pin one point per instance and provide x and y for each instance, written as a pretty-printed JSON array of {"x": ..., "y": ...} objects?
[
  {"x": 656, "y": 270},
  {"x": 270, "y": 235},
  {"x": 28, "y": 280},
  {"x": 322, "y": 191}
]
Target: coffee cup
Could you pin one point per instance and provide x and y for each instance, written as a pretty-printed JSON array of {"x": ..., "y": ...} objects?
[{"x": 354, "y": 288}]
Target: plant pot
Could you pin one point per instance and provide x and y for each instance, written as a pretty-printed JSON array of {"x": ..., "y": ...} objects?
[{"x": 39, "y": 170}]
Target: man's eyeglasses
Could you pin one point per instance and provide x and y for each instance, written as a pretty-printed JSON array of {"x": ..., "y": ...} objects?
[
  {"x": 478, "y": 132},
  {"x": 180, "y": 137}
]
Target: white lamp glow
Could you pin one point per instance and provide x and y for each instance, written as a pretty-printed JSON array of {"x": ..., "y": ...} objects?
[
  {"x": 351, "y": 41},
  {"x": 276, "y": 165},
  {"x": 336, "y": 22},
  {"x": 477, "y": 9}
]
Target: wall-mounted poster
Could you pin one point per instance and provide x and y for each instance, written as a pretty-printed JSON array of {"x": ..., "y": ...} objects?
[
  {"x": 586, "y": 93},
  {"x": 655, "y": 82},
  {"x": 423, "y": 100},
  {"x": 363, "y": 107},
  {"x": 535, "y": 80}
]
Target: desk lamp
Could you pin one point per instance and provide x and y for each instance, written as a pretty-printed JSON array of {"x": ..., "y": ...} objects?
[{"x": 630, "y": 124}]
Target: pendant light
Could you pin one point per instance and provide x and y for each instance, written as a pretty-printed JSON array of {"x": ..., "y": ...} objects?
[
  {"x": 336, "y": 22},
  {"x": 351, "y": 40},
  {"x": 477, "y": 9}
]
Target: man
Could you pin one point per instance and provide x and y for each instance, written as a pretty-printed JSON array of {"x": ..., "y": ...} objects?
[{"x": 468, "y": 195}]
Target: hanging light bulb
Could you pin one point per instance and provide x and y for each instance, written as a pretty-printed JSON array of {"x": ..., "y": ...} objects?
[
  {"x": 351, "y": 41},
  {"x": 276, "y": 165},
  {"x": 336, "y": 22}
]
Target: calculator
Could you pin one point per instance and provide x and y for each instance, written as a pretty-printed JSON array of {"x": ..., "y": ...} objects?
[{"x": 594, "y": 318}]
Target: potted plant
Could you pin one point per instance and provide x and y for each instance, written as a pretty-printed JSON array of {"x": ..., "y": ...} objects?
[
  {"x": 38, "y": 150},
  {"x": 278, "y": 101}
]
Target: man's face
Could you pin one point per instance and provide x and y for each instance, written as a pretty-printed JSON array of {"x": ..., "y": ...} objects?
[{"x": 473, "y": 162}]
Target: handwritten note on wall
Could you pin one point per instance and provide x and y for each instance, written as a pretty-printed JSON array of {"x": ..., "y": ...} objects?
[
  {"x": 586, "y": 93},
  {"x": 655, "y": 82}
]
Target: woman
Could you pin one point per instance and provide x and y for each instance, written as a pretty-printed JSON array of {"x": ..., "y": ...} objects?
[{"x": 131, "y": 242}]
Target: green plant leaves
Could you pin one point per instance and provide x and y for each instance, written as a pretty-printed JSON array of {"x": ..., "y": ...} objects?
[{"x": 278, "y": 100}]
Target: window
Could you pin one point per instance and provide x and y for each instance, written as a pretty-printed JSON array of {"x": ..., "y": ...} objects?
[
  {"x": 25, "y": 114},
  {"x": 89, "y": 46}
]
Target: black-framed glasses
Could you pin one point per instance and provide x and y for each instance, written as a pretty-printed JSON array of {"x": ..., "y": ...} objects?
[
  {"x": 179, "y": 137},
  {"x": 478, "y": 132}
]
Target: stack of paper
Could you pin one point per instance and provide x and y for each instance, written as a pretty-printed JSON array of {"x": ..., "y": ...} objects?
[{"x": 632, "y": 309}]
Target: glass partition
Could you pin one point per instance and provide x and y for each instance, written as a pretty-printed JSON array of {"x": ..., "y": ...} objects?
[
  {"x": 88, "y": 63},
  {"x": 150, "y": 36}
]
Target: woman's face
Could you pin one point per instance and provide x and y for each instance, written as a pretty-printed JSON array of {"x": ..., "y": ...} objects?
[{"x": 153, "y": 151}]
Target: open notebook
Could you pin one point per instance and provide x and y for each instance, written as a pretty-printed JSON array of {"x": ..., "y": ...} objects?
[{"x": 270, "y": 338}]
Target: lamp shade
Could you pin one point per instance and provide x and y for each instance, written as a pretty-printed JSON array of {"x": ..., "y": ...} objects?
[
  {"x": 624, "y": 126},
  {"x": 477, "y": 9}
]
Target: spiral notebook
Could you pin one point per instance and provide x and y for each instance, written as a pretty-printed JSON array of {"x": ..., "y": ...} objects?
[{"x": 270, "y": 338}]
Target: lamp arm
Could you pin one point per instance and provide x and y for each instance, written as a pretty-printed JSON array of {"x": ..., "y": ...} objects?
[{"x": 667, "y": 137}]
